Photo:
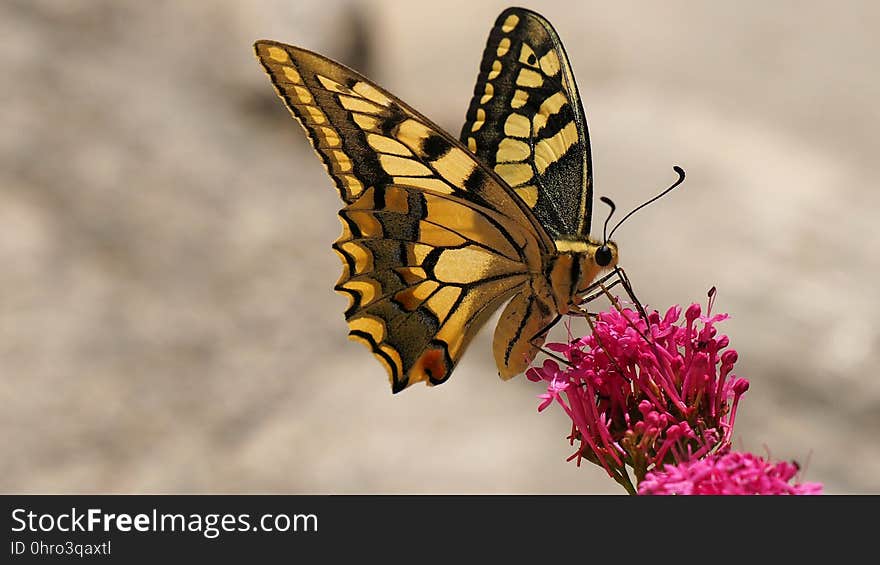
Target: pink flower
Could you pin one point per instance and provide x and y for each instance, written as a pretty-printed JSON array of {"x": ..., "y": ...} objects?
[
  {"x": 730, "y": 473},
  {"x": 641, "y": 394}
]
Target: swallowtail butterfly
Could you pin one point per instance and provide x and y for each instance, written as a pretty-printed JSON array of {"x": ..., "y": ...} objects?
[{"x": 439, "y": 232}]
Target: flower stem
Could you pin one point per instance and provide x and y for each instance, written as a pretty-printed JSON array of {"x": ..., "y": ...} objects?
[{"x": 622, "y": 478}]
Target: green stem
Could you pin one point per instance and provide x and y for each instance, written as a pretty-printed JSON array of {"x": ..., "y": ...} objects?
[{"x": 623, "y": 480}]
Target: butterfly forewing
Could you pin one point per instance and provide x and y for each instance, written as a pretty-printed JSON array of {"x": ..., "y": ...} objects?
[
  {"x": 526, "y": 122},
  {"x": 433, "y": 241}
]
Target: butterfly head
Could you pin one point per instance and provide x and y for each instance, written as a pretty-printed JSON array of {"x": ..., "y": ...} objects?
[
  {"x": 606, "y": 255},
  {"x": 597, "y": 258},
  {"x": 576, "y": 265}
]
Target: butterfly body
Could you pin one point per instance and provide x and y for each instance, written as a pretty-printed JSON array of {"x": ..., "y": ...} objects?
[
  {"x": 438, "y": 233},
  {"x": 554, "y": 291}
]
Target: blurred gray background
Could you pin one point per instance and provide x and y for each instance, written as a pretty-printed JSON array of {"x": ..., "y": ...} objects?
[{"x": 167, "y": 322}]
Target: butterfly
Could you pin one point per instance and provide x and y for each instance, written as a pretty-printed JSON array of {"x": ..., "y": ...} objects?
[{"x": 438, "y": 232}]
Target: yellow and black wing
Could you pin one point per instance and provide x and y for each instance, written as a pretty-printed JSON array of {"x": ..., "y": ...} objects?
[
  {"x": 433, "y": 242},
  {"x": 526, "y": 122}
]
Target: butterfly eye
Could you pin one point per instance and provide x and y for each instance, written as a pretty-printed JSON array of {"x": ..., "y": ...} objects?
[{"x": 604, "y": 256}]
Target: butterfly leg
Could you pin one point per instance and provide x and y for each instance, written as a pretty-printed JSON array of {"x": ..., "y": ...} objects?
[
  {"x": 618, "y": 277},
  {"x": 627, "y": 286},
  {"x": 593, "y": 293}
]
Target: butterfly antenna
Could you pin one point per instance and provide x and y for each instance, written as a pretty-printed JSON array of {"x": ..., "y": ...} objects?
[
  {"x": 613, "y": 207},
  {"x": 680, "y": 180}
]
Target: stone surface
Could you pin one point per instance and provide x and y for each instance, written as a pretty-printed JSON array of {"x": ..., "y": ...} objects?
[{"x": 167, "y": 322}]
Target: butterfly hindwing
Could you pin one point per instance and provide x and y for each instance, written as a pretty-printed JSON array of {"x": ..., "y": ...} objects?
[
  {"x": 526, "y": 121},
  {"x": 433, "y": 242}
]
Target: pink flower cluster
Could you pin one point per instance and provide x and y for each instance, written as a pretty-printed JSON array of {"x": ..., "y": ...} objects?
[
  {"x": 730, "y": 473},
  {"x": 644, "y": 393}
]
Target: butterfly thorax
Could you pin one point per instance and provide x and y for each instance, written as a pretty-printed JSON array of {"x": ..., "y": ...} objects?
[{"x": 572, "y": 269}]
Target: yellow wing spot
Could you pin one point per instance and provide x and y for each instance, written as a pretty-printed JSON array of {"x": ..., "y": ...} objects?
[
  {"x": 481, "y": 119},
  {"x": 432, "y": 184},
  {"x": 366, "y": 122},
  {"x": 529, "y": 78},
  {"x": 370, "y": 325},
  {"x": 528, "y": 193},
  {"x": 371, "y": 93},
  {"x": 550, "y": 63},
  {"x": 411, "y": 133},
  {"x": 420, "y": 252},
  {"x": 352, "y": 184},
  {"x": 344, "y": 277},
  {"x": 346, "y": 231},
  {"x": 402, "y": 166},
  {"x": 363, "y": 259},
  {"x": 514, "y": 173},
  {"x": 341, "y": 159},
  {"x": 384, "y": 144},
  {"x": 397, "y": 200},
  {"x": 520, "y": 97},
  {"x": 455, "y": 166},
  {"x": 510, "y": 23},
  {"x": 443, "y": 301},
  {"x": 470, "y": 264},
  {"x": 445, "y": 212},
  {"x": 490, "y": 90},
  {"x": 329, "y": 135},
  {"x": 368, "y": 225},
  {"x": 472, "y": 144},
  {"x": 453, "y": 334},
  {"x": 548, "y": 108},
  {"x": 407, "y": 299},
  {"x": 367, "y": 289},
  {"x": 278, "y": 54},
  {"x": 411, "y": 297},
  {"x": 517, "y": 125},
  {"x": 395, "y": 358},
  {"x": 412, "y": 275},
  {"x": 359, "y": 105},
  {"x": 527, "y": 56},
  {"x": 291, "y": 75},
  {"x": 547, "y": 151},
  {"x": 503, "y": 47},
  {"x": 303, "y": 95},
  {"x": 511, "y": 150},
  {"x": 496, "y": 70},
  {"x": 332, "y": 85},
  {"x": 365, "y": 341},
  {"x": 433, "y": 234},
  {"x": 316, "y": 115},
  {"x": 366, "y": 202}
]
